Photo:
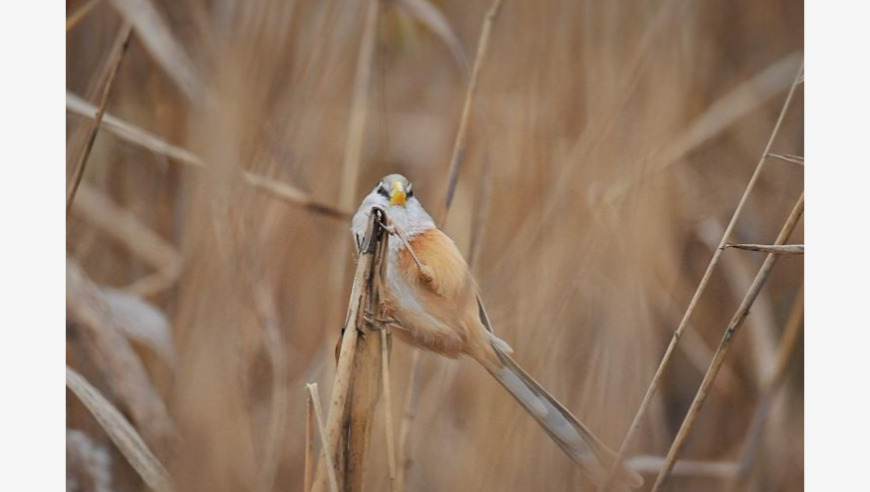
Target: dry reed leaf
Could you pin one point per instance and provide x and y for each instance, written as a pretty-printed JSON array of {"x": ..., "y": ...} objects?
[
  {"x": 116, "y": 359},
  {"x": 99, "y": 210},
  {"x": 427, "y": 13},
  {"x": 720, "y": 115},
  {"x": 158, "y": 39},
  {"x": 131, "y": 133},
  {"x": 141, "y": 321},
  {"x": 121, "y": 432}
]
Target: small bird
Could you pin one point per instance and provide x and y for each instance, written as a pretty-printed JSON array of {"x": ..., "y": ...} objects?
[{"x": 433, "y": 303}]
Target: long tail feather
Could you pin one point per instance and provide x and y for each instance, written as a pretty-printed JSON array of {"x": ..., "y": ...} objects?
[{"x": 573, "y": 437}]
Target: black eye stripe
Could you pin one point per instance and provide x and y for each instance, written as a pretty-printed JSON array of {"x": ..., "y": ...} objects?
[{"x": 383, "y": 192}]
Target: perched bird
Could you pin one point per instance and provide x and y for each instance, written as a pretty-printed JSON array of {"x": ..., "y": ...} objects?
[{"x": 433, "y": 303}]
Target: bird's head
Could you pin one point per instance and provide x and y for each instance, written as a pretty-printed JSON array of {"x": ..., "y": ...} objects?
[{"x": 396, "y": 189}]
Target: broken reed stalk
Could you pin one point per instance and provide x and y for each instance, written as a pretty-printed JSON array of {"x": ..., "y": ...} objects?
[
  {"x": 80, "y": 13},
  {"x": 121, "y": 432},
  {"x": 725, "y": 345},
  {"x": 365, "y": 387},
  {"x": 326, "y": 452},
  {"x": 122, "y": 41},
  {"x": 356, "y": 385},
  {"x": 783, "y": 249},
  {"x": 794, "y": 159},
  {"x": 699, "y": 291},
  {"x": 459, "y": 144},
  {"x": 754, "y": 434}
]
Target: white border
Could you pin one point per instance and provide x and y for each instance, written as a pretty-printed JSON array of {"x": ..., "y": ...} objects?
[
  {"x": 32, "y": 248},
  {"x": 837, "y": 335}
]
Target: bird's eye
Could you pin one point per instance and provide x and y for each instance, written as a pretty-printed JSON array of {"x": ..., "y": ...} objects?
[
  {"x": 384, "y": 193},
  {"x": 410, "y": 192}
]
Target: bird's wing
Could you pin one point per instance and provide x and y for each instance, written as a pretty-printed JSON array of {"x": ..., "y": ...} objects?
[{"x": 444, "y": 272}]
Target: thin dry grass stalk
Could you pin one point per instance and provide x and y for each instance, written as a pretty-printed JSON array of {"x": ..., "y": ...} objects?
[
  {"x": 80, "y": 13},
  {"x": 465, "y": 120},
  {"x": 787, "y": 346},
  {"x": 699, "y": 291},
  {"x": 784, "y": 249},
  {"x": 122, "y": 41},
  {"x": 294, "y": 196},
  {"x": 739, "y": 277},
  {"x": 326, "y": 452},
  {"x": 121, "y": 432},
  {"x": 689, "y": 469},
  {"x": 481, "y": 212},
  {"x": 725, "y": 345},
  {"x": 133, "y": 134},
  {"x": 356, "y": 387}
]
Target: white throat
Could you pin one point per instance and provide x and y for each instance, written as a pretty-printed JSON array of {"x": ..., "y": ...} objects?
[{"x": 410, "y": 219}]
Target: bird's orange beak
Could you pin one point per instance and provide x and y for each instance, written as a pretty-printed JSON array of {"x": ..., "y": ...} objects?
[{"x": 397, "y": 194}]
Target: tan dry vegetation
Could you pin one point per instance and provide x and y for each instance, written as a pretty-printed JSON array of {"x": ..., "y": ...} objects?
[{"x": 608, "y": 145}]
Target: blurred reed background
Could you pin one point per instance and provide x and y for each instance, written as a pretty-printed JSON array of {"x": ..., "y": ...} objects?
[{"x": 608, "y": 145}]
